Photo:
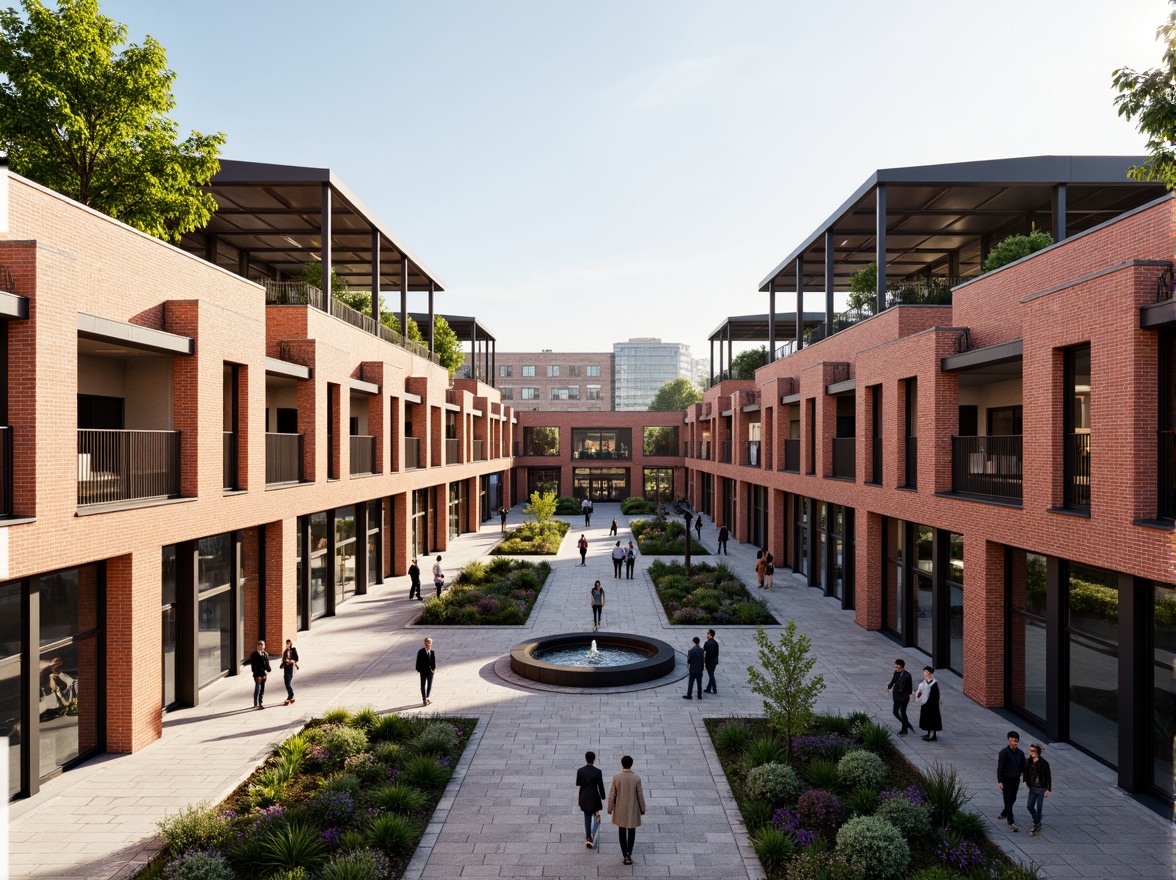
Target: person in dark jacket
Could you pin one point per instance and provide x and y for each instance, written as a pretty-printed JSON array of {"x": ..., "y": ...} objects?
[
  {"x": 414, "y": 581},
  {"x": 590, "y": 782},
  {"x": 630, "y": 560},
  {"x": 900, "y": 689},
  {"x": 695, "y": 662},
  {"x": 698, "y": 526},
  {"x": 710, "y": 655},
  {"x": 724, "y": 534},
  {"x": 426, "y": 665},
  {"x": 259, "y": 667},
  {"x": 928, "y": 696},
  {"x": 1040, "y": 784},
  {"x": 1010, "y": 767},
  {"x": 288, "y": 665}
]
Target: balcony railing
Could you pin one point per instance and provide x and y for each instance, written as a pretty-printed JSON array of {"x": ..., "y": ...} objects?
[
  {"x": 127, "y": 465},
  {"x": 845, "y": 458},
  {"x": 5, "y": 471},
  {"x": 479, "y": 450},
  {"x": 876, "y": 464},
  {"x": 1166, "y": 473},
  {"x": 792, "y": 456},
  {"x": 229, "y": 460},
  {"x": 912, "y": 463},
  {"x": 283, "y": 458},
  {"x": 412, "y": 453},
  {"x": 987, "y": 466},
  {"x": 751, "y": 456},
  {"x": 452, "y": 450},
  {"x": 1076, "y": 456},
  {"x": 726, "y": 459},
  {"x": 363, "y": 454}
]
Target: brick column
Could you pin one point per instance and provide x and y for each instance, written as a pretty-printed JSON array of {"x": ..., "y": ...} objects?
[
  {"x": 134, "y": 711},
  {"x": 281, "y": 583},
  {"x": 984, "y": 622},
  {"x": 183, "y": 317},
  {"x": 868, "y": 569}
]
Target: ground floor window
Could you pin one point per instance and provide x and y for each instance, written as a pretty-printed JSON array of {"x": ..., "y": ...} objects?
[
  {"x": 1162, "y": 708},
  {"x": 318, "y": 539},
  {"x": 374, "y": 526},
  {"x": 658, "y": 484},
  {"x": 542, "y": 480},
  {"x": 420, "y": 522},
  {"x": 1026, "y": 641},
  {"x": 601, "y": 484},
  {"x": 1092, "y": 596},
  {"x": 456, "y": 508},
  {"x": 757, "y": 515},
  {"x": 215, "y": 589}
]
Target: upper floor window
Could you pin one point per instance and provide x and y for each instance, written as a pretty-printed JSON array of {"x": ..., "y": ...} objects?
[
  {"x": 661, "y": 440},
  {"x": 541, "y": 441},
  {"x": 528, "y": 370},
  {"x": 1166, "y": 450},
  {"x": 530, "y": 393},
  {"x": 593, "y": 371},
  {"x": 594, "y": 392},
  {"x": 506, "y": 370},
  {"x": 570, "y": 393},
  {"x": 1076, "y": 452},
  {"x": 574, "y": 371},
  {"x": 602, "y": 443},
  {"x": 553, "y": 371},
  {"x": 507, "y": 392}
]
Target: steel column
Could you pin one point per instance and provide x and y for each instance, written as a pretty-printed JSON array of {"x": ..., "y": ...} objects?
[
  {"x": 828, "y": 282},
  {"x": 432, "y": 341},
  {"x": 799, "y": 303},
  {"x": 376, "y": 278},
  {"x": 880, "y": 247},
  {"x": 325, "y": 257},
  {"x": 1059, "y": 212},
  {"x": 404, "y": 297},
  {"x": 771, "y": 320}
]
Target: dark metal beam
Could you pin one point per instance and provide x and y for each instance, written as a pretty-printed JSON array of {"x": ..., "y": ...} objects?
[
  {"x": 799, "y": 303},
  {"x": 880, "y": 246},
  {"x": 376, "y": 276},
  {"x": 829, "y": 245},
  {"x": 1059, "y": 212},
  {"x": 771, "y": 321},
  {"x": 325, "y": 254}
]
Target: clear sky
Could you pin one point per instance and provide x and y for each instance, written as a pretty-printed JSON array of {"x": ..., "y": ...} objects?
[{"x": 578, "y": 173}]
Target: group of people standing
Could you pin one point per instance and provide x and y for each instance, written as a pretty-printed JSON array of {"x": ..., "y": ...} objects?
[
  {"x": 764, "y": 569},
  {"x": 624, "y": 556},
  {"x": 414, "y": 579},
  {"x": 699, "y": 658}
]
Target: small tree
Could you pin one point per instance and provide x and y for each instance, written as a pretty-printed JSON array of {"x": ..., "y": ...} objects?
[
  {"x": 675, "y": 396},
  {"x": 542, "y": 506},
  {"x": 744, "y": 364},
  {"x": 863, "y": 289},
  {"x": 1015, "y": 247},
  {"x": 787, "y": 684},
  {"x": 446, "y": 345}
]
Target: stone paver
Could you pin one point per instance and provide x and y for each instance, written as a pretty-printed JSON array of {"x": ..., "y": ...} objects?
[{"x": 510, "y": 810}]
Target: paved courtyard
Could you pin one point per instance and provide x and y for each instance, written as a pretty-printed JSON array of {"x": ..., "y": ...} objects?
[{"x": 510, "y": 810}]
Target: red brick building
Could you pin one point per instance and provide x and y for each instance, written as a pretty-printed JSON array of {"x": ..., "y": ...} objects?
[
  {"x": 192, "y": 460},
  {"x": 553, "y": 380},
  {"x": 987, "y": 477}
]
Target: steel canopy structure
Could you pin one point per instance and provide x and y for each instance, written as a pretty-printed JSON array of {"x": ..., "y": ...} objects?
[{"x": 754, "y": 328}]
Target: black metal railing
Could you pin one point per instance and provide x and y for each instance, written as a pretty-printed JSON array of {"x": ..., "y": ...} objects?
[
  {"x": 987, "y": 466},
  {"x": 751, "y": 456},
  {"x": 1166, "y": 473},
  {"x": 127, "y": 465},
  {"x": 876, "y": 463},
  {"x": 845, "y": 458},
  {"x": 229, "y": 460},
  {"x": 283, "y": 458},
  {"x": 363, "y": 454},
  {"x": 912, "y": 463},
  {"x": 726, "y": 459},
  {"x": 479, "y": 450},
  {"x": 6, "y": 460},
  {"x": 1076, "y": 455},
  {"x": 792, "y": 456},
  {"x": 412, "y": 453},
  {"x": 452, "y": 450}
]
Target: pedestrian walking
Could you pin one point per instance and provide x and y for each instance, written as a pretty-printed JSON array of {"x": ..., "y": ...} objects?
[
  {"x": 259, "y": 666},
  {"x": 586, "y": 509},
  {"x": 630, "y": 560},
  {"x": 1010, "y": 767},
  {"x": 900, "y": 689},
  {"x": 769, "y": 569},
  {"x": 583, "y": 545},
  {"x": 613, "y": 530},
  {"x": 590, "y": 792},
  {"x": 597, "y": 600},
  {"x": 626, "y": 805},
  {"x": 426, "y": 665},
  {"x": 288, "y": 665},
  {"x": 502, "y": 512},
  {"x": 438, "y": 577},
  {"x": 928, "y": 697},
  {"x": 723, "y": 536},
  {"x": 710, "y": 654},
  {"x": 698, "y": 526},
  {"x": 695, "y": 663},
  {"x": 414, "y": 581},
  {"x": 760, "y": 568},
  {"x": 618, "y": 558},
  {"x": 1040, "y": 784}
]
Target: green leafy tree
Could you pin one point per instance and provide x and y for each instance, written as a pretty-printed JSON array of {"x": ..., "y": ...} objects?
[
  {"x": 312, "y": 274},
  {"x": 787, "y": 683},
  {"x": 675, "y": 396},
  {"x": 446, "y": 345},
  {"x": 1015, "y": 247},
  {"x": 863, "y": 289},
  {"x": 744, "y": 364},
  {"x": 91, "y": 122},
  {"x": 542, "y": 506},
  {"x": 1149, "y": 100}
]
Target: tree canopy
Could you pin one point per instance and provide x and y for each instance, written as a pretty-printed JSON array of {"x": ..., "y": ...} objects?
[
  {"x": 744, "y": 364},
  {"x": 675, "y": 396},
  {"x": 1015, "y": 247},
  {"x": 1149, "y": 99},
  {"x": 91, "y": 122}
]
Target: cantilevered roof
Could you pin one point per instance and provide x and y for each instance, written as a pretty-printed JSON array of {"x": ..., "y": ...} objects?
[
  {"x": 275, "y": 214},
  {"x": 754, "y": 328},
  {"x": 462, "y": 325},
  {"x": 937, "y": 214}
]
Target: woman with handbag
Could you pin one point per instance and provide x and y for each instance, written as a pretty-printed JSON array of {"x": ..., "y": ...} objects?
[{"x": 288, "y": 665}]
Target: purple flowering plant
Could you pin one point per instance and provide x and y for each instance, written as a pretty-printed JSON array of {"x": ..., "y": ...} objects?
[
  {"x": 820, "y": 811},
  {"x": 816, "y": 747},
  {"x": 911, "y": 794},
  {"x": 962, "y": 855}
]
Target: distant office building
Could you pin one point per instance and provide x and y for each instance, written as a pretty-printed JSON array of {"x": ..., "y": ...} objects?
[
  {"x": 700, "y": 371},
  {"x": 553, "y": 381},
  {"x": 642, "y": 366}
]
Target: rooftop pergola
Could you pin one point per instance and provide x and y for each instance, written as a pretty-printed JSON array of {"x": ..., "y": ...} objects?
[
  {"x": 469, "y": 330},
  {"x": 941, "y": 221},
  {"x": 753, "y": 328}
]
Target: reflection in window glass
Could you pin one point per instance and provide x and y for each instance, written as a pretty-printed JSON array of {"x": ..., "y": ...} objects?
[
  {"x": 10, "y": 726},
  {"x": 67, "y": 696},
  {"x": 318, "y": 585},
  {"x": 1027, "y": 632},
  {"x": 1163, "y": 726},
  {"x": 661, "y": 440},
  {"x": 1094, "y": 602},
  {"x": 924, "y": 541},
  {"x": 215, "y": 564},
  {"x": 1094, "y": 696},
  {"x": 215, "y": 621},
  {"x": 10, "y": 620},
  {"x": 924, "y": 610},
  {"x": 59, "y": 605}
]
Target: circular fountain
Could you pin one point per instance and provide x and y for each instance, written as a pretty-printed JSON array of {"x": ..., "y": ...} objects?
[{"x": 592, "y": 659}]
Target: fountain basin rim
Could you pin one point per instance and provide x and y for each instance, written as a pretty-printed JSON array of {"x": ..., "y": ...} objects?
[{"x": 660, "y": 660}]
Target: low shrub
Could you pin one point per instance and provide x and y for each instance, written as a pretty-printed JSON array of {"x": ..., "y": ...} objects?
[
  {"x": 658, "y": 537},
  {"x": 365, "y": 767},
  {"x": 874, "y": 847},
  {"x": 821, "y": 773},
  {"x": 820, "y": 811},
  {"x": 357, "y": 864},
  {"x": 424, "y": 771},
  {"x": 764, "y": 750},
  {"x": 958, "y": 854},
  {"x": 347, "y": 783},
  {"x": 861, "y": 769},
  {"x": 504, "y": 597},
  {"x": 969, "y": 825},
  {"x": 635, "y": 505},
  {"x": 565, "y": 505},
  {"x": 711, "y": 595},
  {"x": 340, "y": 742},
  {"x": 365, "y": 719},
  {"x": 862, "y": 802},
  {"x": 773, "y": 783},
  {"x": 774, "y": 848},
  {"x": 935, "y": 872},
  {"x": 392, "y": 833},
  {"x": 533, "y": 539},
  {"x": 912, "y": 820},
  {"x": 337, "y": 715},
  {"x": 398, "y": 798},
  {"x": 836, "y": 724},
  {"x": 814, "y": 863},
  {"x": 734, "y": 737},
  {"x": 331, "y": 808},
  {"x": 435, "y": 738},
  {"x": 756, "y": 814},
  {"x": 816, "y": 747},
  {"x": 294, "y": 752},
  {"x": 875, "y": 738},
  {"x": 194, "y": 827},
  {"x": 292, "y": 846},
  {"x": 945, "y": 794},
  {"x": 198, "y": 864}
]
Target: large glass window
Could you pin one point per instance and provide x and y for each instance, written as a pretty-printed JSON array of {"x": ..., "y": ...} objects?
[
  {"x": 593, "y": 371},
  {"x": 924, "y": 592},
  {"x": 1027, "y": 631},
  {"x": 594, "y": 392},
  {"x": 602, "y": 443},
  {"x": 601, "y": 483},
  {"x": 528, "y": 392},
  {"x": 318, "y": 564},
  {"x": 894, "y": 592},
  {"x": 505, "y": 370},
  {"x": 507, "y": 392},
  {"x": 658, "y": 484},
  {"x": 553, "y": 371},
  {"x": 11, "y": 673},
  {"x": 955, "y": 600},
  {"x": 528, "y": 370},
  {"x": 541, "y": 441},
  {"x": 1166, "y": 438},
  {"x": 1163, "y": 688},
  {"x": 1092, "y": 627},
  {"x": 214, "y": 587},
  {"x": 661, "y": 440},
  {"x": 542, "y": 480},
  {"x": 170, "y": 614},
  {"x": 575, "y": 371},
  {"x": 572, "y": 392},
  {"x": 344, "y": 554},
  {"x": 1076, "y": 452},
  {"x": 375, "y": 522}
]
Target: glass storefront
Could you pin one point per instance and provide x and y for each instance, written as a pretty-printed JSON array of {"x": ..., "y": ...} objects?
[
  {"x": 604, "y": 443},
  {"x": 601, "y": 484},
  {"x": 1027, "y": 634},
  {"x": 318, "y": 565},
  {"x": 344, "y": 554},
  {"x": 893, "y": 593},
  {"x": 375, "y": 548},
  {"x": 1162, "y": 711},
  {"x": 1093, "y": 634},
  {"x": 658, "y": 484},
  {"x": 955, "y": 601},
  {"x": 543, "y": 480},
  {"x": 11, "y": 673},
  {"x": 924, "y": 574}
]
